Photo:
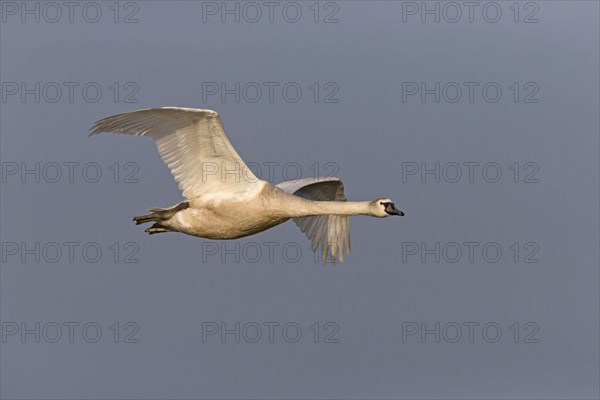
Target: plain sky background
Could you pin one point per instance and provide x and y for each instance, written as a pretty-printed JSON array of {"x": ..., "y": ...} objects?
[{"x": 371, "y": 136}]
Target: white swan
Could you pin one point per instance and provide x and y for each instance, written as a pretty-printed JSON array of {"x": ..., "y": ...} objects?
[{"x": 225, "y": 200}]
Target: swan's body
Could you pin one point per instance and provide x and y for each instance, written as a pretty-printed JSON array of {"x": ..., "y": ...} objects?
[{"x": 224, "y": 198}]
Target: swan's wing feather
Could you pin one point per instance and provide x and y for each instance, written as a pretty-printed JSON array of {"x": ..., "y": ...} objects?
[
  {"x": 329, "y": 234},
  {"x": 194, "y": 146}
]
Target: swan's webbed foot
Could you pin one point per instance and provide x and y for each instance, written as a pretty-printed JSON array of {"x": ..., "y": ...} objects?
[{"x": 156, "y": 228}]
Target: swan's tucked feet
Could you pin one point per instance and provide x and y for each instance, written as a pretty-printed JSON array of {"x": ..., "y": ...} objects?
[
  {"x": 142, "y": 219},
  {"x": 156, "y": 228},
  {"x": 160, "y": 214}
]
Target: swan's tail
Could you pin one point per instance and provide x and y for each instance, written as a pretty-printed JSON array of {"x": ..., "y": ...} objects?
[{"x": 159, "y": 214}]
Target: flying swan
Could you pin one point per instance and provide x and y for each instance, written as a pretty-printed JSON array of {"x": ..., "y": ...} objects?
[{"x": 224, "y": 199}]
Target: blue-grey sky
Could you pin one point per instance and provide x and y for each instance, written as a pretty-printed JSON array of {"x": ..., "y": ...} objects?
[{"x": 479, "y": 120}]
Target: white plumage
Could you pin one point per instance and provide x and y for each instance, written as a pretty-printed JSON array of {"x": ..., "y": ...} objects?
[{"x": 225, "y": 200}]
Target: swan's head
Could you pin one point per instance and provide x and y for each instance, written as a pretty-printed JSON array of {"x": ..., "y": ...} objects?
[{"x": 384, "y": 208}]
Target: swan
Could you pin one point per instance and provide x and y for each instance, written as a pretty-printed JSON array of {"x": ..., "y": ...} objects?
[{"x": 224, "y": 199}]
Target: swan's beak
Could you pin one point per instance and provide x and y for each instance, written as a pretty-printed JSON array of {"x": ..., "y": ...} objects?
[{"x": 392, "y": 210}]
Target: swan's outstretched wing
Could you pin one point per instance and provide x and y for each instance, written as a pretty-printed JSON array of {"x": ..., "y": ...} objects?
[
  {"x": 330, "y": 234},
  {"x": 193, "y": 145}
]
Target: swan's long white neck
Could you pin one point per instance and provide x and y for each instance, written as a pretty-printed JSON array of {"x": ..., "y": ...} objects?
[{"x": 305, "y": 208}]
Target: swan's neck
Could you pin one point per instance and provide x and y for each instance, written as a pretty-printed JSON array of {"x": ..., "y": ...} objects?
[{"x": 308, "y": 207}]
